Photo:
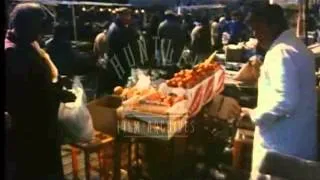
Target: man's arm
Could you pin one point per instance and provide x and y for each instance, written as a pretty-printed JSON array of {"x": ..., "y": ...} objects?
[{"x": 284, "y": 97}]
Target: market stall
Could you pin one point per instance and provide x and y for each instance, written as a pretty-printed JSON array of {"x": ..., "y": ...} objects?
[{"x": 162, "y": 109}]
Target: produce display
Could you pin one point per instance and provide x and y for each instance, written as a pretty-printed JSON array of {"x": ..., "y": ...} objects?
[
  {"x": 190, "y": 77},
  {"x": 158, "y": 98},
  {"x": 186, "y": 92},
  {"x": 127, "y": 93},
  {"x": 157, "y": 103},
  {"x": 199, "y": 84}
]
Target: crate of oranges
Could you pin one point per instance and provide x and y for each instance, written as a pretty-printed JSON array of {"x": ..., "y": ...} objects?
[{"x": 199, "y": 84}]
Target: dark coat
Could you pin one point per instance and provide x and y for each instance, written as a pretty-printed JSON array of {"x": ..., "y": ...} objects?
[
  {"x": 32, "y": 101},
  {"x": 170, "y": 29},
  {"x": 118, "y": 37},
  {"x": 200, "y": 40}
]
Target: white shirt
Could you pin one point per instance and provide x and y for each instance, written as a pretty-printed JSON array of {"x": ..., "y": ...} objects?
[{"x": 285, "y": 116}]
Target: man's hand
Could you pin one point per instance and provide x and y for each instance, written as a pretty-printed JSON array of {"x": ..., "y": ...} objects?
[{"x": 245, "y": 112}]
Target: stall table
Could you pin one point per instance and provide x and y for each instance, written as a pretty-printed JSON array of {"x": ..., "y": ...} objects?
[{"x": 125, "y": 135}]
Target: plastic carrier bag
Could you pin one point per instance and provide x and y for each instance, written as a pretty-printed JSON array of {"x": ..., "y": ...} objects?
[{"x": 75, "y": 118}]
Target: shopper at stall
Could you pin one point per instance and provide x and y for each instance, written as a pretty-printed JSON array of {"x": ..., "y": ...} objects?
[
  {"x": 32, "y": 100},
  {"x": 120, "y": 36},
  {"x": 285, "y": 116}
]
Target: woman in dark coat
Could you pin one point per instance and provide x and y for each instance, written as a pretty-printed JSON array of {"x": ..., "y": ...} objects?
[{"x": 32, "y": 99}]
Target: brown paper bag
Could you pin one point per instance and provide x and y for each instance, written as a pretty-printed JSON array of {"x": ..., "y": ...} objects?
[
  {"x": 250, "y": 72},
  {"x": 225, "y": 108}
]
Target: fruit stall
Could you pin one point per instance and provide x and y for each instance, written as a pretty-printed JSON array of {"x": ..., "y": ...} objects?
[{"x": 174, "y": 100}]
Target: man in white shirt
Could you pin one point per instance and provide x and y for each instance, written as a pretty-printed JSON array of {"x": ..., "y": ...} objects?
[{"x": 285, "y": 116}]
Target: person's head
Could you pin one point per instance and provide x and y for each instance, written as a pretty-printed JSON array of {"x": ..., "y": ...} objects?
[
  {"x": 154, "y": 20},
  {"x": 267, "y": 22},
  {"x": 204, "y": 20},
  {"x": 222, "y": 19},
  {"x": 26, "y": 19},
  {"x": 216, "y": 19},
  {"x": 170, "y": 15},
  {"x": 235, "y": 16},
  {"x": 124, "y": 14},
  {"x": 62, "y": 31},
  {"x": 188, "y": 17}
]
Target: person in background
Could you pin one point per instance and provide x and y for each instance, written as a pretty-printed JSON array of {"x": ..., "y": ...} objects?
[
  {"x": 222, "y": 28},
  {"x": 100, "y": 46},
  {"x": 119, "y": 36},
  {"x": 69, "y": 60},
  {"x": 286, "y": 122},
  {"x": 151, "y": 33},
  {"x": 32, "y": 99},
  {"x": 170, "y": 29},
  {"x": 187, "y": 27},
  {"x": 236, "y": 28},
  {"x": 200, "y": 40},
  {"x": 214, "y": 32}
]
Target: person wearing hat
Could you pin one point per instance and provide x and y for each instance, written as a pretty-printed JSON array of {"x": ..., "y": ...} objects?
[
  {"x": 170, "y": 30},
  {"x": 32, "y": 99},
  {"x": 286, "y": 112},
  {"x": 120, "y": 35}
]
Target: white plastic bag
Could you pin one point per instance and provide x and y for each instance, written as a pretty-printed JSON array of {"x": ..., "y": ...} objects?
[{"x": 75, "y": 118}]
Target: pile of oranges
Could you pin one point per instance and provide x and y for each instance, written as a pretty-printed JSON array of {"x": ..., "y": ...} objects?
[
  {"x": 163, "y": 99},
  {"x": 188, "y": 78}
]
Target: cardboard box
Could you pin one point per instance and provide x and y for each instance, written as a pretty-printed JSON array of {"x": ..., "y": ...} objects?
[
  {"x": 234, "y": 53},
  {"x": 104, "y": 114}
]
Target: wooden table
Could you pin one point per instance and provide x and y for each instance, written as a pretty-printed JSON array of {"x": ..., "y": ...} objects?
[{"x": 124, "y": 136}]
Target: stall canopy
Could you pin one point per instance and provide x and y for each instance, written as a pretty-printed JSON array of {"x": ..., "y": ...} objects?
[
  {"x": 150, "y": 3},
  {"x": 284, "y": 2},
  {"x": 72, "y": 4},
  {"x": 208, "y": 6},
  {"x": 84, "y": 3}
]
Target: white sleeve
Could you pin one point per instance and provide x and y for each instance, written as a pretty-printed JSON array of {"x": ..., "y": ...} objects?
[{"x": 284, "y": 85}]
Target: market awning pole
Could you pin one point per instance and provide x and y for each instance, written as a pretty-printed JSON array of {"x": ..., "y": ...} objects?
[
  {"x": 300, "y": 22},
  {"x": 306, "y": 15},
  {"x": 74, "y": 23}
]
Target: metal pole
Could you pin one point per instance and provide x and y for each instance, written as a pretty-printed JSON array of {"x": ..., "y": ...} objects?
[
  {"x": 74, "y": 24},
  {"x": 306, "y": 15}
]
